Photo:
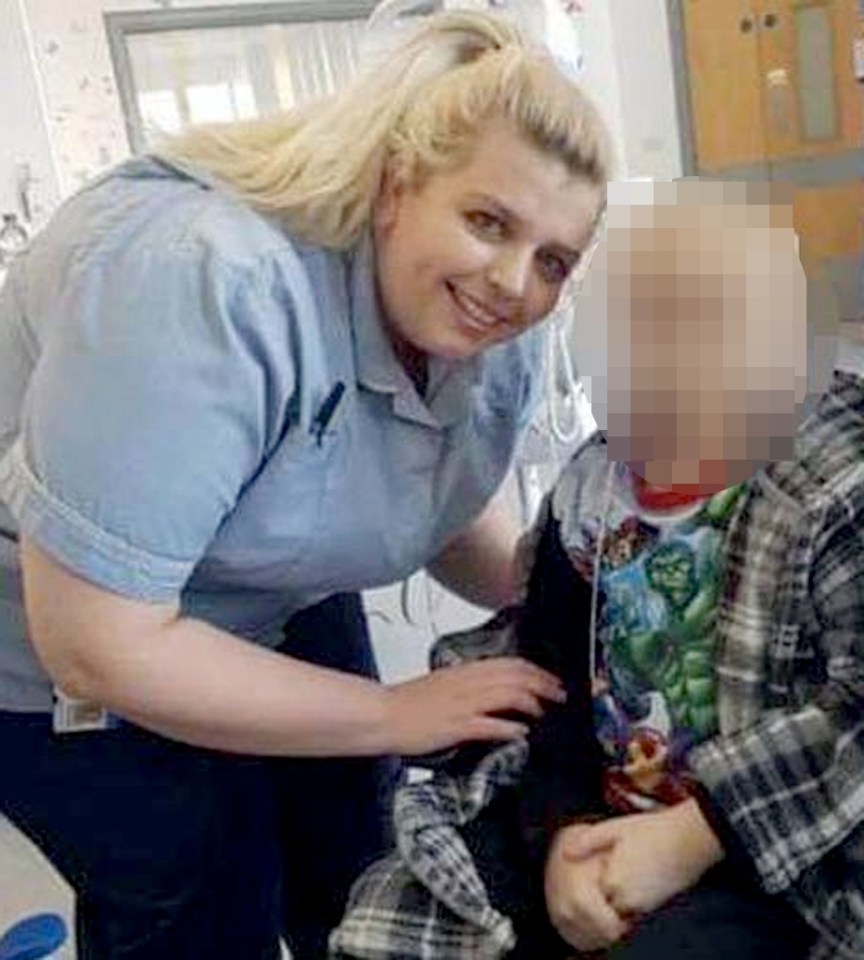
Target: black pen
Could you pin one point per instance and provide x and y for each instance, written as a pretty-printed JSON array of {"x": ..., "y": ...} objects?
[{"x": 322, "y": 419}]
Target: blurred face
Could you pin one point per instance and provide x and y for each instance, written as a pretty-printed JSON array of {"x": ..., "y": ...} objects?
[
  {"x": 474, "y": 256},
  {"x": 706, "y": 350},
  {"x": 715, "y": 364}
]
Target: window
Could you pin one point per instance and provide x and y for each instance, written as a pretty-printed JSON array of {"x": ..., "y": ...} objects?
[
  {"x": 818, "y": 102},
  {"x": 185, "y": 66}
]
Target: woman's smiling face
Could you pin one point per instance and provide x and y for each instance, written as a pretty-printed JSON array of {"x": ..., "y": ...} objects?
[{"x": 476, "y": 255}]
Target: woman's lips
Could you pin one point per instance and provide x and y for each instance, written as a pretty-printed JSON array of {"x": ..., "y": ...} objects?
[{"x": 475, "y": 313}]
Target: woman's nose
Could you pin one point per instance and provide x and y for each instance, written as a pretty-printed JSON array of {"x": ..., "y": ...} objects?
[{"x": 510, "y": 272}]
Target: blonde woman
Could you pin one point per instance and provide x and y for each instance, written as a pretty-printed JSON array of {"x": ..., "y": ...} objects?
[{"x": 239, "y": 382}]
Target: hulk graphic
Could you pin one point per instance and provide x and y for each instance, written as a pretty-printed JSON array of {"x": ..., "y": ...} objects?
[{"x": 677, "y": 659}]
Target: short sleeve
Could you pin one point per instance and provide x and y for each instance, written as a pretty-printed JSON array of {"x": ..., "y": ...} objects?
[{"x": 161, "y": 379}]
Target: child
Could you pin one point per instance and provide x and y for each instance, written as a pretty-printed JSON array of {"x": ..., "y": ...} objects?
[{"x": 701, "y": 791}]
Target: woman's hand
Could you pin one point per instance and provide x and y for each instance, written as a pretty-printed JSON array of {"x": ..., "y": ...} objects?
[
  {"x": 577, "y": 906},
  {"x": 457, "y": 704},
  {"x": 650, "y": 857}
]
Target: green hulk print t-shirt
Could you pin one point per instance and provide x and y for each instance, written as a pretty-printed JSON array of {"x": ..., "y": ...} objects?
[{"x": 660, "y": 570}]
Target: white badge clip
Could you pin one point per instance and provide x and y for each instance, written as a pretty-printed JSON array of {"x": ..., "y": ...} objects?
[{"x": 79, "y": 716}]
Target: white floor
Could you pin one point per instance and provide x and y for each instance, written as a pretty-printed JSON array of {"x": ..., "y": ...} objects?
[{"x": 28, "y": 883}]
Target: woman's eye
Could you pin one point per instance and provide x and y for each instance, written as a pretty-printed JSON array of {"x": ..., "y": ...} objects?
[
  {"x": 486, "y": 224},
  {"x": 554, "y": 268}
]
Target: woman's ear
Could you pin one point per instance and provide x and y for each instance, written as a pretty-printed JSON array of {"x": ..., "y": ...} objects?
[{"x": 388, "y": 201}]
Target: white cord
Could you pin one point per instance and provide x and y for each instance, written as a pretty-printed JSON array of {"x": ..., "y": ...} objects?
[
  {"x": 434, "y": 600},
  {"x": 564, "y": 390},
  {"x": 595, "y": 585},
  {"x": 559, "y": 360},
  {"x": 427, "y": 592},
  {"x": 405, "y": 601}
]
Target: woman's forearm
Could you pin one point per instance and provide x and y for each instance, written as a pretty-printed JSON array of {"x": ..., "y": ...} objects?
[
  {"x": 200, "y": 685},
  {"x": 193, "y": 682}
]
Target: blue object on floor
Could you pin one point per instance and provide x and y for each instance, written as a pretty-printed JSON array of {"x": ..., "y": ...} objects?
[{"x": 33, "y": 937}]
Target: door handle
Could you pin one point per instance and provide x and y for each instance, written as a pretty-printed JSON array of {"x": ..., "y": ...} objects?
[
  {"x": 779, "y": 102},
  {"x": 746, "y": 25},
  {"x": 770, "y": 21}
]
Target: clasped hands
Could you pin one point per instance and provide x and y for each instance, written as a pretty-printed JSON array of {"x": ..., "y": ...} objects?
[{"x": 602, "y": 877}]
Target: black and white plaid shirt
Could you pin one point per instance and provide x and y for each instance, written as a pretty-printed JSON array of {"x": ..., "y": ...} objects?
[{"x": 787, "y": 770}]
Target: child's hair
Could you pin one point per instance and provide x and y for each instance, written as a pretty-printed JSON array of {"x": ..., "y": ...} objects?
[{"x": 320, "y": 167}]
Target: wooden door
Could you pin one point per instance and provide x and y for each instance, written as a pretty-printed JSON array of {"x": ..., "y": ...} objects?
[
  {"x": 813, "y": 106},
  {"x": 724, "y": 83}
]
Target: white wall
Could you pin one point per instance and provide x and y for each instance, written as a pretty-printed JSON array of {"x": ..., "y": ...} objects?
[
  {"x": 74, "y": 66},
  {"x": 78, "y": 128},
  {"x": 600, "y": 77},
  {"x": 643, "y": 66},
  {"x": 24, "y": 135}
]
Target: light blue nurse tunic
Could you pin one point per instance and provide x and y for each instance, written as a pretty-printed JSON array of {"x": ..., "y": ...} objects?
[{"x": 194, "y": 405}]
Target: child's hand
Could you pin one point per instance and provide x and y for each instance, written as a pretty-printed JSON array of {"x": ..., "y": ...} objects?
[
  {"x": 649, "y": 857},
  {"x": 576, "y": 905}
]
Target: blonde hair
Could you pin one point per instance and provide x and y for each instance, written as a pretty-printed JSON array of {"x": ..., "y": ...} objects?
[{"x": 320, "y": 167}]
